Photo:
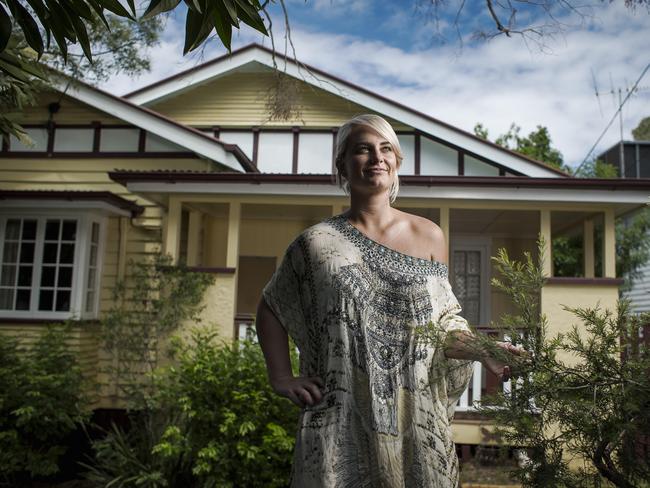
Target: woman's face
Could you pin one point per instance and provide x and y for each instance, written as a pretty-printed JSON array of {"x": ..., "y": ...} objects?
[{"x": 369, "y": 163}]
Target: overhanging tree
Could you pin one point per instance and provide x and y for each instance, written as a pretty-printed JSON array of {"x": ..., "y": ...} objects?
[{"x": 37, "y": 34}]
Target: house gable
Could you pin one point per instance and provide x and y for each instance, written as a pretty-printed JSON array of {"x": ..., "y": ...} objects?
[
  {"x": 477, "y": 150},
  {"x": 240, "y": 98}
]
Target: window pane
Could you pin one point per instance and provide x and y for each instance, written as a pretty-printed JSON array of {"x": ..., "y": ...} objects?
[
  {"x": 436, "y": 159},
  {"x": 46, "y": 300},
  {"x": 47, "y": 275},
  {"x": 93, "y": 256},
  {"x": 471, "y": 311},
  {"x": 22, "y": 299},
  {"x": 50, "y": 252},
  {"x": 8, "y": 275},
  {"x": 407, "y": 143},
  {"x": 62, "y": 300},
  {"x": 475, "y": 167},
  {"x": 244, "y": 139},
  {"x": 6, "y": 299},
  {"x": 473, "y": 286},
  {"x": 473, "y": 262},
  {"x": 73, "y": 140},
  {"x": 65, "y": 276},
  {"x": 13, "y": 229},
  {"x": 91, "y": 278},
  {"x": 275, "y": 152},
  {"x": 119, "y": 140},
  {"x": 69, "y": 230},
  {"x": 10, "y": 253},
  {"x": 39, "y": 140},
  {"x": 52, "y": 230},
  {"x": 95, "y": 233},
  {"x": 90, "y": 301},
  {"x": 29, "y": 229},
  {"x": 158, "y": 144},
  {"x": 25, "y": 276},
  {"x": 461, "y": 289},
  {"x": 315, "y": 153},
  {"x": 67, "y": 253},
  {"x": 27, "y": 252}
]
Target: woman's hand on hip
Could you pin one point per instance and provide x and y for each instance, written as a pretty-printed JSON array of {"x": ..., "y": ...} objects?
[{"x": 304, "y": 391}]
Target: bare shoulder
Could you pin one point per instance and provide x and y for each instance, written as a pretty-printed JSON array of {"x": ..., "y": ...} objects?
[{"x": 429, "y": 236}]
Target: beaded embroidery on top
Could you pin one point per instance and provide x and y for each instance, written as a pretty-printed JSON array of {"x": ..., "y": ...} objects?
[{"x": 380, "y": 255}]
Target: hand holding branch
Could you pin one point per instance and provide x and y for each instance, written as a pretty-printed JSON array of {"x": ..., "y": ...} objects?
[{"x": 499, "y": 357}]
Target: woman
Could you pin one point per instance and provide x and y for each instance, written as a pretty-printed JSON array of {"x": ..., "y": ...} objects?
[{"x": 384, "y": 355}]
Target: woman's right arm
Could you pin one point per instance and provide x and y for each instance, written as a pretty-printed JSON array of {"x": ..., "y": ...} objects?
[{"x": 303, "y": 391}]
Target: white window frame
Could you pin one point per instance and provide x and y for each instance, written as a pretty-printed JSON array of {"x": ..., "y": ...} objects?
[
  {"x": 483, "y": 245},
  {"x": 84, "y": 219}
]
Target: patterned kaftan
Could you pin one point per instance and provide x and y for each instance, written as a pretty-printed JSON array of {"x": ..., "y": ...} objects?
[{"x": 351, "y": 305}]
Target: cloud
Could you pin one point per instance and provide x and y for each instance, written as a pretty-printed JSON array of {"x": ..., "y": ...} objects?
[{"x": 496, "y": 83}]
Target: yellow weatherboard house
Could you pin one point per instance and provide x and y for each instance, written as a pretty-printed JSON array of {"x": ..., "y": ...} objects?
[{"x": 198, "y": 166}]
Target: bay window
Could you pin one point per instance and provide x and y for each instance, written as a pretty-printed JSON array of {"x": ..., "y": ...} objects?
[{"x": 50, "y": 264}]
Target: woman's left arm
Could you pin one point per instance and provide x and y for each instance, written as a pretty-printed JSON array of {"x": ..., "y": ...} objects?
[{"x": 497, "y": 356}]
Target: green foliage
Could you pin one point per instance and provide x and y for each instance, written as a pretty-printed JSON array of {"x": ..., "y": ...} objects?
[
  {"x": 596, "y": 168},
  {"x": 214, "y": 422},
  {"x": 632, "y": 245},
  {"x": 575, "y": 399},
  {"x": 568, "y": 256},
  {"x": 210, "y": 419},
  {"x": 24, "y": 73},
  {"x": 120, "y": 49},
  {"x": 146, "y": 309},
  {"x": 42, "y": 402},
  {"x": 642, "y": 131},
  {"x": 71, "y": 23},
  {"x": 536, "y": 145},
  {"x": 108, "y": 35}
]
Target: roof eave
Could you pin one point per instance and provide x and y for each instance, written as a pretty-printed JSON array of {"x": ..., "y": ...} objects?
[{"x": 192, "y": 139}]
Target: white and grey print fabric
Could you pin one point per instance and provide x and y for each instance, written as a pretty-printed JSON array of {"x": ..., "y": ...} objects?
[{"x": 352, "y": 307}]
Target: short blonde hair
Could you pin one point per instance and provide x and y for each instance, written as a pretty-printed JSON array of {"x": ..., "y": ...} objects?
[{"x": 384, "y": 129}]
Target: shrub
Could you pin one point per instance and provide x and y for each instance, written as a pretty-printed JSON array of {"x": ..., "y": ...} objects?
[
  {"x": 42, "y": 403},
  {"x": 592, "y": 411},
  {"x": 214, "y": 422}
]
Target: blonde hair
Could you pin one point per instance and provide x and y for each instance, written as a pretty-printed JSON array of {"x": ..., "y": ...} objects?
[{"x": 384, "y": 129}]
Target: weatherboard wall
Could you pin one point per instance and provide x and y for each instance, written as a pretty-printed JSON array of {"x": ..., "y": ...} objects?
[{"x": 241, "y": 100}]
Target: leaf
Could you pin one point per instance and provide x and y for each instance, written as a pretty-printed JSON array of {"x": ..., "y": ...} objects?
[
  {"x": 197, "y": 29},
  {"x": 99, "y": 10},
  {"x": 224, "y": 28},
  {"x": 14, "y": 67},
  {"x": 159, "y": 6},
  {"x": 81, "y": 9},
  {"x": 250, "y": 16},
  {"x": 194, "y": 5},
  {"x": 116, "y": 7},
  {"x": 28, "y": 25},
  {"x": 132, "y": 7},
  {"x": 13, "y": 71},
  {"x": 82, "y": 34},
  {"x": 5, "y": 28},
  {"x": 61, "y": 26},
  {"x": 230, "y": 8}
]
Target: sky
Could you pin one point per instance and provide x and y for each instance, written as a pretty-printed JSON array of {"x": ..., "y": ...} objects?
[{"x": 434, "y": 62}]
